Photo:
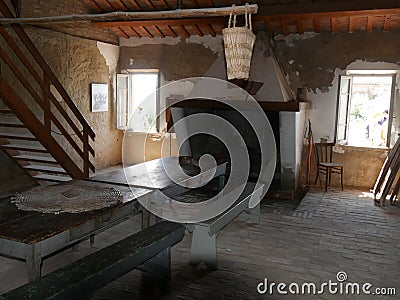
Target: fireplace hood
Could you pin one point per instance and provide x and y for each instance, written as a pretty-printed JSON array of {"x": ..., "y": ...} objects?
[{"x": 264, "y": 69}]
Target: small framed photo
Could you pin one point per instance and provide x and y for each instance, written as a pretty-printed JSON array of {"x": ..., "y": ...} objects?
[{"x": 99, "y": 97}]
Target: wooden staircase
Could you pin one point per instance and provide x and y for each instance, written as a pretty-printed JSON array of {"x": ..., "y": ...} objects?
[{"x": 48, "y": 138}]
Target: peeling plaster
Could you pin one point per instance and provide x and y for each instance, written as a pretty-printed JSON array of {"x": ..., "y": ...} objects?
[
  {"x": 208, "y": 41},
  {"x": 316, "y": 56},
  {"x": 136, "y": 42},
  {"x": 292, "y": 38},
  {"x": 111, "y": 55}
]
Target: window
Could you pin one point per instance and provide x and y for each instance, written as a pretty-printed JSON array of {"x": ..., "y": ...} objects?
[
  {"x": 138, "y": 100},
  {"x": 365, "y": 110}
]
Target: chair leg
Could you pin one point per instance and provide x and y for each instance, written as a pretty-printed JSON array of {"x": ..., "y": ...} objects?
[
  {"x": 316, "y": 176},
  {"x": 341, "y": 177},
  {"x": 326, "y": 179},
  {"x": 330, "y": 175}
]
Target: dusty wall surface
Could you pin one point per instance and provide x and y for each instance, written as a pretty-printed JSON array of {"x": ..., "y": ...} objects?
[
  {"x": 311, "y": 60},
  {"x": 77, "y": 63},
  {"x": 361, "y": 166},
  {"x": 316, "y": 61},
  {"x": 174, "y": 61}
]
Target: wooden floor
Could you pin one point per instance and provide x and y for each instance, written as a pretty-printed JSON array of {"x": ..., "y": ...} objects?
[{"x": 327, "y": 233}]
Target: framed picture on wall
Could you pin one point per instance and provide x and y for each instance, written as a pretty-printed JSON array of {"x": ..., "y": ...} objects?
[{"x": 99, "y": 97}]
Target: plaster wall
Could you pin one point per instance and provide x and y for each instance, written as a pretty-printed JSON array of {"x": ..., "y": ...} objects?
[
  {"x": 77, "y": 63},
  {"x": 316, "y": 61}
]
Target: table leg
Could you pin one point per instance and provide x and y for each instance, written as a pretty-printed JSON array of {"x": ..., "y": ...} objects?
[
  {"x": 204, "y": 247},
  {"x": 253, "y": 215},
  {"x": 145, "y": 218},
  {"x": 92, "y": 240},
  {"x": 33, "y": 262},
  {"x": 157, "y": 271}
]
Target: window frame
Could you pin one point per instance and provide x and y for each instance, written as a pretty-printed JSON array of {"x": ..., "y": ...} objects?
[
  {"x": 129, "y": 101},
  {"x": 375, "y": 73}
]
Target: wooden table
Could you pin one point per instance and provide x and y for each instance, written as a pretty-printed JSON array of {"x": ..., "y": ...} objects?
[
  {"x": 31, "y": 236},
  {"x": 153, "y": 175}
]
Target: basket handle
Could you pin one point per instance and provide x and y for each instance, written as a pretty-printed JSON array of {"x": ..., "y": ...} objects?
[
  {"x": 230, "y": 17},
  {"x": 247, "y": 17}
]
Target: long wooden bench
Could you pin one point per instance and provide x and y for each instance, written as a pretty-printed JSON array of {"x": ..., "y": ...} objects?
[
  {"x": 148, "y": 249},
  {"x": 204, "y": 238}
]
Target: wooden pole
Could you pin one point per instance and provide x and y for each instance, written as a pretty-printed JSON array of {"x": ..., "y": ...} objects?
[{"x": 138, "y": 15}]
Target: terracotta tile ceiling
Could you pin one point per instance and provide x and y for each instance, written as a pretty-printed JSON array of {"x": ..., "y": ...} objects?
[{"x": 274, "y": 16}]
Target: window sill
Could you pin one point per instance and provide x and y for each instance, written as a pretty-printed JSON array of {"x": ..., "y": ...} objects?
[{"x": 365, "y": 149}]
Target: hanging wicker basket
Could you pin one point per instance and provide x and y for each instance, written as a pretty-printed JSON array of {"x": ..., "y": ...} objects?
[{"x": 238, "y": 43}]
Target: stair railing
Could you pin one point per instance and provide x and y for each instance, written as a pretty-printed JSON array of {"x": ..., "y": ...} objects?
[{"x": 46, "y": 100}]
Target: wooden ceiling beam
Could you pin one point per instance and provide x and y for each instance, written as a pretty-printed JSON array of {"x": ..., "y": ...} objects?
[
  {"x": 171, "y": 31},
  {"x": 159, "y": 32},
  {"x": 329, "y": 7},
  {"x": 369, "y": 24},
  {"x": 317, "y": 25},
  {"x": 184, "y": 31},
  {"x": 284, "y": 28},
  {"x": 300, "y": 27},
  {"x": 146, "y": 32},
  {"x": 150, "y": 4},
  {"x": 363, "y": 13},
  {"x": 211, "y": 31},
  {"x": 197, "y": 30},
  {"x": 333, "y": 25},
  {"x": 164, "y": 4},
  {"x": 209, "y": 3},
  {"x": 386, "y": 25},
  {"x": 198, "y": 21},
  {"x": 135, "y": 33},
  {"x": 351, "y": 24},
  {"x": 121, "y": 32},
  {"x": 109, "y": 5},
  {"x": 136, "y": 5},
  {"x": 118, "y": 16},
  {"x": 122, "y": 5},
  {"x": 94, "y": 4}
]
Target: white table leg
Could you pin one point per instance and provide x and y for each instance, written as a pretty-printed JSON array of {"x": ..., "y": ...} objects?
[
  {"x": 253, "y": 215},
  {"x": 204, "y": 247}
]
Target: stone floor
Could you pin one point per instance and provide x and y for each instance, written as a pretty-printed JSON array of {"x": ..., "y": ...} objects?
[{"x": 312, "y": 242}]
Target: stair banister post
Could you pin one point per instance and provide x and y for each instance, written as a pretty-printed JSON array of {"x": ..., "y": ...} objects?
[
  {"x": 46, "y": 101},
  {"x": 85, "y": 152}
]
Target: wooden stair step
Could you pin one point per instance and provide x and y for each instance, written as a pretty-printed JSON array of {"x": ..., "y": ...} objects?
[
  {"x": 52, "y": 178},
  {"x": 34, "y": 158},
  {"x": 6, "y": 111},
  {"x": 47, "y": 169},
  {"x": 11, "y": 124},
  {"x": 29, "y": 148},
  {"x": 17, "y": 136}
]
